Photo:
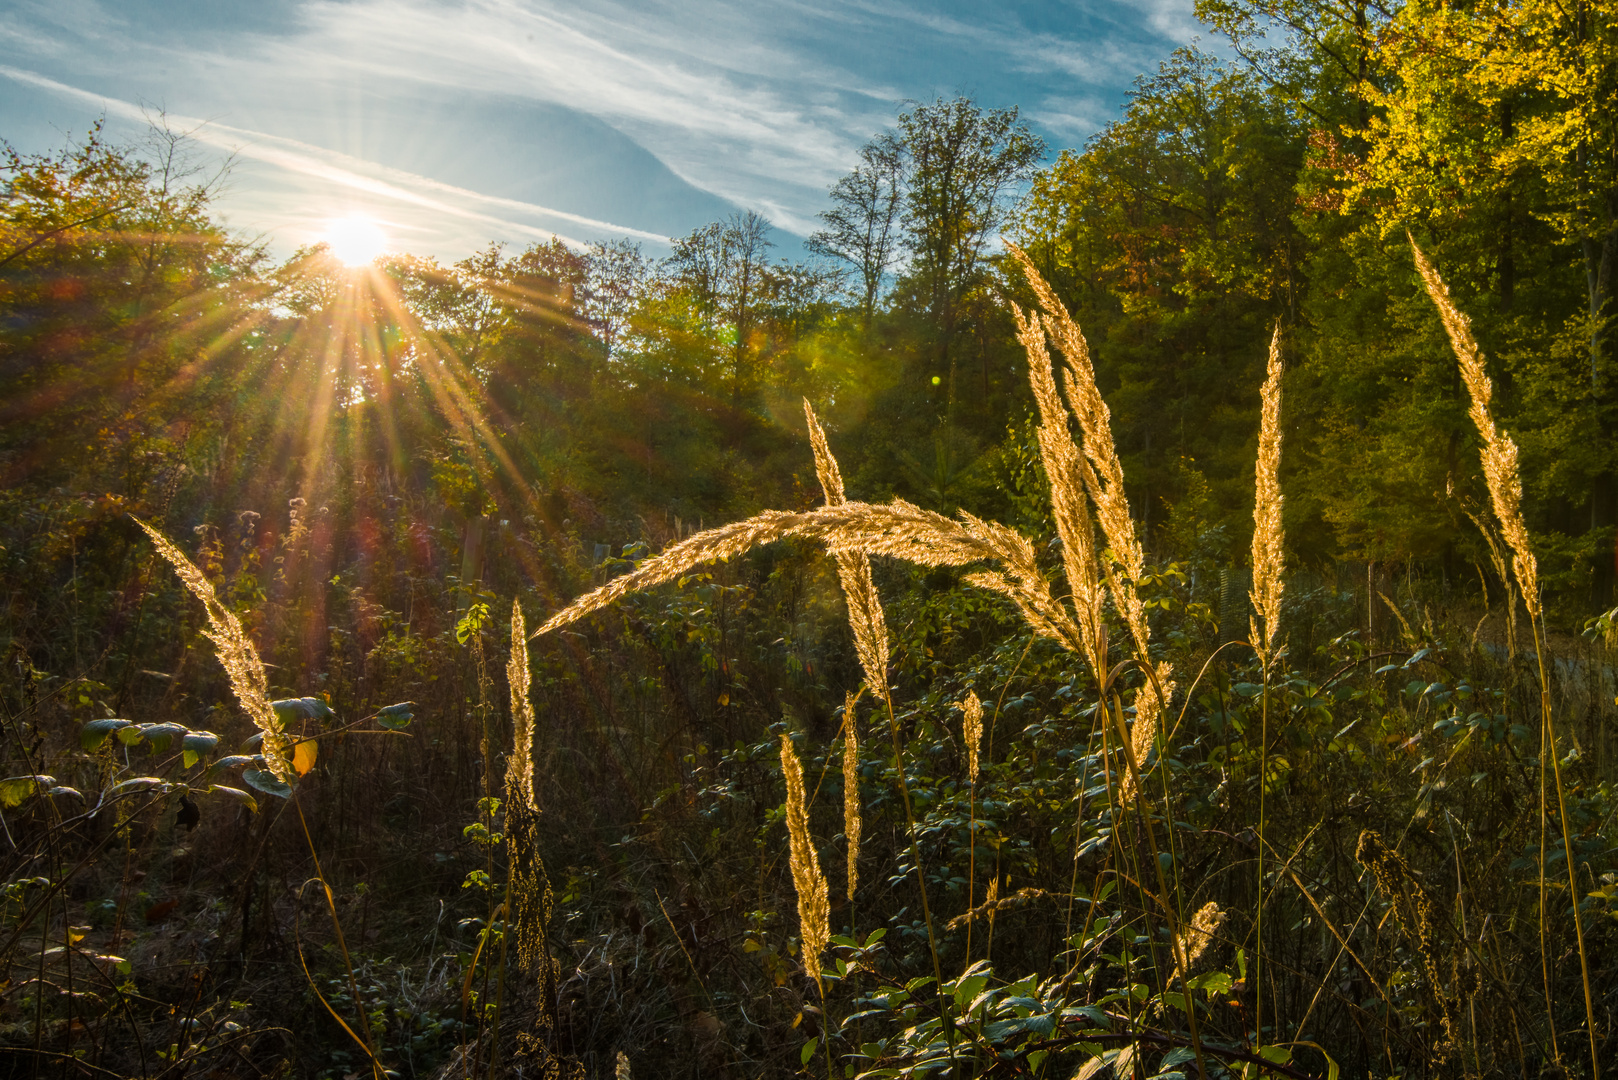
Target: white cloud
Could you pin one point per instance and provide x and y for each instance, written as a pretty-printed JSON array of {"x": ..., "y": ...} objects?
[
  {"x": 762, "y": 103},
  {"x": 338, "y": 180},
  {"x": 694, "y": 94}
]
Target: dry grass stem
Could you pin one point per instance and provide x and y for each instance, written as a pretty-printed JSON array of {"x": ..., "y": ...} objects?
[
  {"x": 897, "y": 530},
  {"x": 1143, "y": 735},
  {"x": 236, "y": 653},
  {"x": 865, "y": 616},
  {"x": 972, "y": 731},
  {"x": 520, "y": 768},
  {"x": 1499, "y": 452},
  {"x": 1267, "y": 535},
  {"x": 1501, "y": 476},
  {"x": 993, "y": 903},
  {"x": 814, "y": 907},
  {"x": 1102, "y": 474},
  {"x": 851, "y": 790},
  {"x": 1065, "y": 467}
]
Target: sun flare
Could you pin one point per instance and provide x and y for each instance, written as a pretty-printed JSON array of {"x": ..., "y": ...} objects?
[{"x": 355, "y": 239}]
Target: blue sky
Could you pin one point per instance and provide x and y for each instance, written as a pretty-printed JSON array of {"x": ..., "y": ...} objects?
[{"x": 457, "y": 122}]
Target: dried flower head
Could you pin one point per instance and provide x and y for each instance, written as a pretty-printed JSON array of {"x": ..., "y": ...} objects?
[
  {"x": 851, "y": 789},
  {"x": 1267, "y": 560},
  {"x": 520, "y": 768},
  {"x": 814, "y": 907},
  {"x": 236, "y": 653},
  {"x": 1499, "y": 452},
  {"x": 865, "y": 616},
  {"x": 1200, "y": 933},
  {"x": 972, "y": 731},
  {"x": 1066, "y": 468}
]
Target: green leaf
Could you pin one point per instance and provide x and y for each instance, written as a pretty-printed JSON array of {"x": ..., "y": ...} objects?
[
  {"x": 236, "y": 793},
  {"x": 188, "y": 758},
  {"x": 396, "y": 716},
  {"x": 235, "y": 760},
  {"x": 95, "y": 732},
  {"x": 15, "y": 789},
  {"x": 290, "y": 710},
  {"x": 130, "y": 735},
  {"x": 136, "y": 784},
  {"x": 808, "y": 1051},
  {"x": 159, "y": 736},
  {"x": 199, "y": 742},
  {"x": 260, "y": 780},
  {"x": 1281, "y": 1055}
]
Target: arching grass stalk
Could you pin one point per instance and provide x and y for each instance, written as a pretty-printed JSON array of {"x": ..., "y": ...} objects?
[
  {"x": 1265, "y": 621},
  {"x": 1504, "y": 481}
]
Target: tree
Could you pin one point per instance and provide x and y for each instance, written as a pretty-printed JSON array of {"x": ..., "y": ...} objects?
[
  {"x": 1172, "y": 235},
  {"x": 960, "y": 165},
  {"x": 115, "y": 282},
  {"x": 723, "y": 265},
  {"x": 861, "y": 222}
]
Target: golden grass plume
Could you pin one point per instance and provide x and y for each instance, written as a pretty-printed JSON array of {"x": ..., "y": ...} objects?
[
  {"x": 814, "y": 907},
  {"x": 1143, "y": 735},
  {"x": 897, "y": 530},
  {"x": 1199, "y": 934},
  {"x": 1499, "y": 452},
  {"x": 865, "y": 616},
  {"x": 851, "y": 790},
  {"x": 1103, "y": 474},
  {"x": 1267, "y": 535},
  {"x": 972, "y": 731},
  {"x": 520, "y": 767},
  {"x": 236, "y": 654},
  {"x": 1065, "y": 468}
]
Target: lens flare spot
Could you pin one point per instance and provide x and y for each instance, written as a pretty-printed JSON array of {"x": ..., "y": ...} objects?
[{"x": 356, "y": 239}]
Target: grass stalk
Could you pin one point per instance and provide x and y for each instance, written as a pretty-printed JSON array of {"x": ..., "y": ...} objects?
[{"x": 1504, "y": 481}]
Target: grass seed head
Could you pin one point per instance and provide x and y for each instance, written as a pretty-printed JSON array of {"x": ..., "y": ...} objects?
[
  {"x": 1267, "y": 535},
  {"x": 814, "y": 907},
  {"x": 520, "y": 767},
  {"x": 851, "y": 789},
  {"x": 236, "y": 654},
  {"x": 972, "y": 731},
  {"x": 865, "y": 617},
  {"x": 1499, "y": 452}
]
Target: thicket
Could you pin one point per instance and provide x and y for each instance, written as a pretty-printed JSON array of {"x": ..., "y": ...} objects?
[{"x": 1126, "y": 808}]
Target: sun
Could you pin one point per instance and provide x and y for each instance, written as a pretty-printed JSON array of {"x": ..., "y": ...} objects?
[{"x": 355, "y": 239}]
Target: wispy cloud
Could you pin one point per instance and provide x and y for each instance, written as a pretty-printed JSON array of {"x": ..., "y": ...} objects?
[
  {"x": 344, "y": 172},
  {"x": 760, "y": 103}
]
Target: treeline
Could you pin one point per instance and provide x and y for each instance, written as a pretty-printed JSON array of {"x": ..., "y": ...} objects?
[{"x": 1276, "y": 187}]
